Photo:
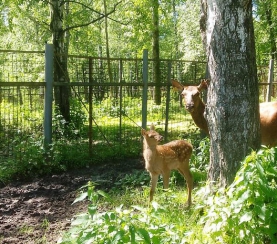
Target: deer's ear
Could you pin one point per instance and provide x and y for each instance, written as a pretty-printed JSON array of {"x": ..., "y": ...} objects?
[
  {"x": 177, "y": 85},
  {"x": 203, "y": 85},
  {"x": 152, "y": 127}
]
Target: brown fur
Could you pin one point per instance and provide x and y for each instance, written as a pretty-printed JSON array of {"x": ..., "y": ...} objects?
[
  {"x": 196, "y": 107},
  {"x": 161, "y": 159}
]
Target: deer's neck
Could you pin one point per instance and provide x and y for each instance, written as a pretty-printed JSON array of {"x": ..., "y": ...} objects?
[
  {"x": 199, "y": 119},
  {"x": 151, "y": 148},
  {"x": 149, "y": 151}
]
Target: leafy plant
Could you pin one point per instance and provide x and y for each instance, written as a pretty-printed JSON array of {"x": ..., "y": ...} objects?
[
  {"x": 155, "y": 223},
  {"x": 200, "y": 160},
  {"x": 246, "y": 212},
  {"x": 137, "y": 178}
]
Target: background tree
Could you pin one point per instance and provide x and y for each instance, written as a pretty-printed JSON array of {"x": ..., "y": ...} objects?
[
  {"x": 60, "y": 27},
  {"x": 156, "y": 51},
  {"x": 232, "y": 108},
  {"x": 266, "y": 29}
]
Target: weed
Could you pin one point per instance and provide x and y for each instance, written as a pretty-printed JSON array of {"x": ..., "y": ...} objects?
[{"x": 25, "y": 229}]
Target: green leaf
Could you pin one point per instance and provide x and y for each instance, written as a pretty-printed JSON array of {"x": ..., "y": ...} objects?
[
  {"x": 145, "y": 235},
  {"x": 246, "y": 217},
  {"x": 261, "y": 171},
  {"x": 132, "y": 232},
  {"x": 156, "y": 240},
  {"x": 81, "y": 219},
  {"x": 155, "y": 205},
  {"x": 111, "y": 228},
  {"x": 118, "y": 236},
  {"x": 266, "y": 190},
  {"x": 81, "y": 197},
  {"x": 272, "y": 171},
  {"x": 92, "y": 209},
  {"x": 103, "y": 194}
]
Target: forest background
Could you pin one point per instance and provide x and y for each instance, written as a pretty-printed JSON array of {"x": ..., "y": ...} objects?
[{"x": 123, "y": 28}]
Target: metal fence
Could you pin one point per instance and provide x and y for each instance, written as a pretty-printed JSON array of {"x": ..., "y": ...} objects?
[{"x": 117, "y": 100}]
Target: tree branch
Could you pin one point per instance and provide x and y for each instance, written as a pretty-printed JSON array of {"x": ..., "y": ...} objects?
[
  {"x": 95, "y": 11},
  {"x": 93, "y": 21}
]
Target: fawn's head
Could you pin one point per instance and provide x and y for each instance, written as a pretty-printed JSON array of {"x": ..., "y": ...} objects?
[
  {"x": 151, "y": 137},
  {"x": 191, "y": 94}
]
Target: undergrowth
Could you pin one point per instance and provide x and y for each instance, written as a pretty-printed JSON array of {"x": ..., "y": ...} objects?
[
  {"x": 112, "y": 136},
  {"x": 245, "y": 212}
]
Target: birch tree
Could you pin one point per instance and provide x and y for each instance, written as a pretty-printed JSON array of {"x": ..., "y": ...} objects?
[{"x": 232, "y": 110}]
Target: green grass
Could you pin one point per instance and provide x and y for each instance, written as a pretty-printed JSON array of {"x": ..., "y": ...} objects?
[
  {"x": 126, "y": 216},
  {"x": 245, "y": 212}
]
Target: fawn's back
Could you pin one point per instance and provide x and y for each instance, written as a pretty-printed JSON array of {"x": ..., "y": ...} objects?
[{"x": 172, "y": 155}]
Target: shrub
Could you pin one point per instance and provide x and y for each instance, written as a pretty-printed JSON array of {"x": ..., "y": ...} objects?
[{"x": 246, "y": 212}]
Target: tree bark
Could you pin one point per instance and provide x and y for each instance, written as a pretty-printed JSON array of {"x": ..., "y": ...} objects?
[
  {"x": 60, "y": 42},
  {"x": 107, "y": 43},
  {"x": 232, "y": 110},
  {"x": 156, "y": 52}
]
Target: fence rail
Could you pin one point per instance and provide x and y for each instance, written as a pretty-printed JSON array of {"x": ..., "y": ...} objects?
[{"x": 106, "y": 108}]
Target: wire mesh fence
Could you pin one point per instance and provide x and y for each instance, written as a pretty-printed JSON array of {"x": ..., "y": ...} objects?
[{"x": 105, "y": 104}]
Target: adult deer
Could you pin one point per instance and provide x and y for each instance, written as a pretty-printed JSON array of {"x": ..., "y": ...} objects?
[
  {"x": 161, "y": 159},
  {"x": 196, "y": 107}
]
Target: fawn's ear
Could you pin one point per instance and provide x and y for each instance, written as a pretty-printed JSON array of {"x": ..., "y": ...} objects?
[
  {"x": 177, "y": 85},
  {"x": 152, "y": 127}
]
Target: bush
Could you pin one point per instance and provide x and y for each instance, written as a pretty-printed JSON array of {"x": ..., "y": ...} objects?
[{"x": 246, "y": 212}]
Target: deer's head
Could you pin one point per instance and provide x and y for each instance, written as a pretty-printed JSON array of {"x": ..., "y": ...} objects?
[
  {"x": 151, "y": 136},
  {"x": 191, "y": 94}
]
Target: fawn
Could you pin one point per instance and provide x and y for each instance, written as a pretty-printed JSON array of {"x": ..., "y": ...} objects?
[{"x": 161, "y": 159}]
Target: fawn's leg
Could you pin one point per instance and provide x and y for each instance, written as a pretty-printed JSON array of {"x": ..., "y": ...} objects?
[
  {"x": 154, "y": 180},
  {"x": 184, "y": 170},
  {"x": 166, "y": 175}
]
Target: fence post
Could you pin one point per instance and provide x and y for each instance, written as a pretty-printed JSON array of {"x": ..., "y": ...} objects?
[
  {"x": 167, "y": 98},
  {"x": 48, "y": 95},
  {"x": 145, "y": 88},
  {"x": 270, "y": 80}
]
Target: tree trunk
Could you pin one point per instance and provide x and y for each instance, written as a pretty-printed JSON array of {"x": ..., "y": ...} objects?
[
  {"x": 272, "y": 40},
  {"x": 156, "y": 52},
  {"x": 60, "y": 42},
  {"x": 107, "y": 43},
  {"x": 232, "y": 110}
]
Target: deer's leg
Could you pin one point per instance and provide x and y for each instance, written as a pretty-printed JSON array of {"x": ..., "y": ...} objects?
[
  {"x": 154, "y": 180},
  {"x": 166, "y": 175},
  {"x": 184, "y": 170}
]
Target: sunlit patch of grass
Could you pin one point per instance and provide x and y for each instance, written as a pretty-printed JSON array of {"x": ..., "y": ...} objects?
[
  {"x": 128, "y": 214},
  {"x": 26, "y": 229}
]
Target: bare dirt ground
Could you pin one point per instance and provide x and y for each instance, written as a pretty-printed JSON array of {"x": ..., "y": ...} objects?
[{"x": 40, "y": 210}]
